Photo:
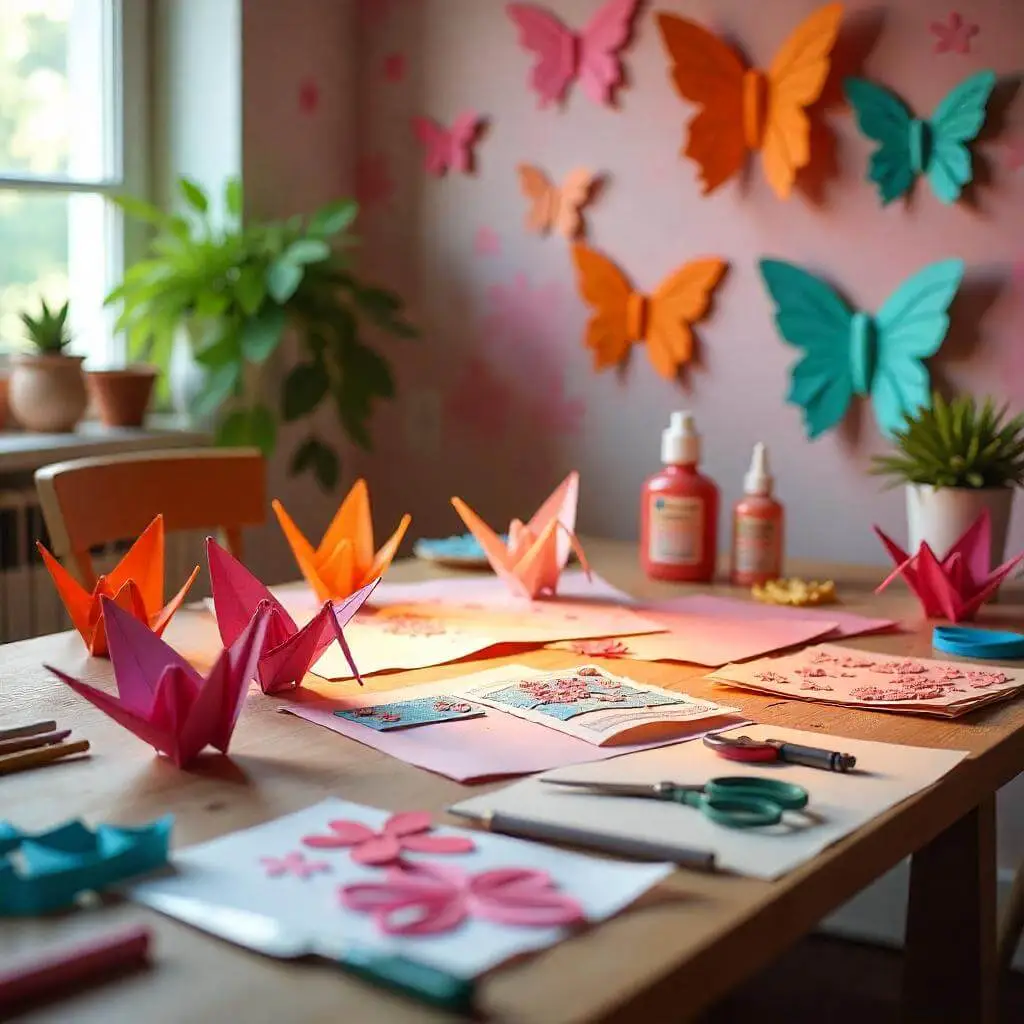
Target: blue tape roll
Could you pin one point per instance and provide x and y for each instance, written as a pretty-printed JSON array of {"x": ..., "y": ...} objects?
[{"x": 978, "y": 643}]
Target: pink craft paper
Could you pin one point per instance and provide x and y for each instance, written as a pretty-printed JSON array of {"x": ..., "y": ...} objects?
[
  {"x": 288, "y": 651},
  {"x": 448, "y": 149},
  {"x": 428, "y": 899},
  {"x": 161, "y": 698},
  {"x": 953, "y": 35},
  {"x": 405, "y": 832}
]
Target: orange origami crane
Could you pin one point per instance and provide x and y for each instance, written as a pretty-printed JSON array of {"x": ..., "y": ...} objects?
[
  {"x": 344, "y": 560},
  {"x": 136, "y": 584},
  {"x": 536, "y": 552}
]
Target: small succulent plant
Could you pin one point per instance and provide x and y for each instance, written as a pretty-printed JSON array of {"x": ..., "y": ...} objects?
[{"x": 49, "y": 330}]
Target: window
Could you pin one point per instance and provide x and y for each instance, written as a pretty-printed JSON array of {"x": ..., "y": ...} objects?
[{"x": 72, "y": 94}]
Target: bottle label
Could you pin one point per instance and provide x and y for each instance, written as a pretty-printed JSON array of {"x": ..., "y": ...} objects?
[
  {"x": 676, "y": 530},
  {"x": 757, "y": 546}
]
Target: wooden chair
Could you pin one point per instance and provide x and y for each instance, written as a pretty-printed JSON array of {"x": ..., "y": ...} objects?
[{"x": 91, "y": 502}]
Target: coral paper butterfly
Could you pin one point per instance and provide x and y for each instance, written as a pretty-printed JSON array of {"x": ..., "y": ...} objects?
[
  {"x": 448, "y": 149},
  {"x": 622, "y": 315},
  {"x": 745, "y": 109},
  {"x": 553, "y": 208},
  {"x": 563, "y": 56}
]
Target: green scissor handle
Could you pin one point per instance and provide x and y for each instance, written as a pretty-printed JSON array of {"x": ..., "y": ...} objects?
[{"x": 741, "y": 802}]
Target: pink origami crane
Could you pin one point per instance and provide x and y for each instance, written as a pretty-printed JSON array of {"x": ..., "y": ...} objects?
[
  {"x": 161, "y": 698},
  {"x": 537, "y": 551},
  {"x": 288, "y": 652},
  {"x": 957, "y": 585}
]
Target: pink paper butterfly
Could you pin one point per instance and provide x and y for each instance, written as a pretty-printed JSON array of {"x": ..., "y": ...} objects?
[
  {"x": 448, "y": 149},
  {"x": 562, "y": 55}
]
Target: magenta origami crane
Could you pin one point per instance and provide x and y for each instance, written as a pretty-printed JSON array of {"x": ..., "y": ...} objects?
[
  {"x": 289, "y": 651},
  {"x": 958, "y": 584},
  {"x": 161, "y": 698}
]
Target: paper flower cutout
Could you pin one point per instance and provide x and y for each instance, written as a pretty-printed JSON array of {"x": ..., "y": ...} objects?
[
  {"x": 401, "y": 832},
  {"x": 954, "y": 35},
  {"x": 136, "y": 584},
  {"x": 959, "y": 583},
  {"x": 486, "y": 242},
  {"x": 448, "y": 149},
  {"x": 427, "y": 899},
  {"x": 554, "y": 208},
  {"x": 374, "y": 185},
  {"x": 344, "y": 561},
  {"x": 394, "y": 67},
  {"x": 293, "y": 864}
]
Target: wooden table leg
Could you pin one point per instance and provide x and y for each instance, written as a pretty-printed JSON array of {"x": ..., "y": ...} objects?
[{"x": 950, "y": 959}]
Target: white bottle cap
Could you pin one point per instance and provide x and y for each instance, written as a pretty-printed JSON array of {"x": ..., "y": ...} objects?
[
  {"x": 759, "y": 478},
  {"x": 680, "y": 442}
]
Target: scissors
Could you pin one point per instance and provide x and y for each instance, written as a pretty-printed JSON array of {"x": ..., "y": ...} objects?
[
  {"x": 744, "y": 748},
  {"x": 735, "y": 801}
]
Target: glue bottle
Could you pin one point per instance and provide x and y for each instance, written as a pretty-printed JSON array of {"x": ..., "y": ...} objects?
[
  {"x": 757, "y": 521},
  {"x": 679, "y": 510}
]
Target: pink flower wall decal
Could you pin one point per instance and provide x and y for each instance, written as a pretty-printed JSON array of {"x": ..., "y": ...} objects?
[
  {"x": 293, "y": 864},
  {"x": 309, "y": 96},
  {"x": 374, "y": 185},
  {"x": 394, "y": 67},
  {"x": 480, "y": 399},
  {"x": 953, "y": 35},
  {"x": 486, "y": 242}
]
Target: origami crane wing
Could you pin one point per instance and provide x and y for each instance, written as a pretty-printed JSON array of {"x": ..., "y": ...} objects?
[
  {"x": 559, "y": 507},
  {"x": 144, "y": 563}
]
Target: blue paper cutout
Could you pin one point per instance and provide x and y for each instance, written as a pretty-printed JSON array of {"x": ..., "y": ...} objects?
[
  {"x": 516, "y": 697},
  {"x": 849, "y": 353},
  {"x": 460, "y": 547},
  {"x": 406, "y": 714}
]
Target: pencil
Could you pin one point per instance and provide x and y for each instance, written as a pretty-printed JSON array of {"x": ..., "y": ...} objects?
[
  {"x": 35, "y": 758},
  {"x": 31, "y": 742},
  {"x": 32, "y": 729}
]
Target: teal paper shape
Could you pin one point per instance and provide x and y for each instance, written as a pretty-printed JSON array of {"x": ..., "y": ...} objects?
[
  {"x": 909, "y": 147},
  {"x": 849, "y": 353},
  {"x": 46, "y": 871}
]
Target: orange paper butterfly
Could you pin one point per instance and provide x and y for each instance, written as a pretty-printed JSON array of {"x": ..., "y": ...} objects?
[
  {"x": 553, "y": 208},
  {"x": 745, "y": 109},
  {"x": 663, "y": 320}
]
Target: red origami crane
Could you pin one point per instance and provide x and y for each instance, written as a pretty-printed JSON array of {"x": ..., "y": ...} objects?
[{"x": 958, "y": 584}]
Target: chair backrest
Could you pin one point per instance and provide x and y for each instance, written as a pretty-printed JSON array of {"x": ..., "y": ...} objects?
[{"x": 90, "y": 502}]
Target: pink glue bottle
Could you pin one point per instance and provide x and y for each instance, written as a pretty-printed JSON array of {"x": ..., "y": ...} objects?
[
  {"x": 679, "y": 510},
  {"x": 757, "y": 522}
]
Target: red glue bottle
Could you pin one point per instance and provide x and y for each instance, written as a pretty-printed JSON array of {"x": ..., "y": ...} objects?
[
  {"x": 757, "y": 521},
  {"x": 679, "y": 510}
]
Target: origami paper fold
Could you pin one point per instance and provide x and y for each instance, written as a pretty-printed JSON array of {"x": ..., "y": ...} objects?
[
  {"x": 344, "y": 561},
  {"x": 288, "y": 651},
  {"x": 161, "y": 698},
  {"x": 136, "y": 585},
  {"x": 959, "y": 583},
  {"x": 536, "y": 553}
]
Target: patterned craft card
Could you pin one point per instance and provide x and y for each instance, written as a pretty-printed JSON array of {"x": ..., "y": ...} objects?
[
  {"x": 596, "y": 706},
  {"x": 881, "y": 682},
  {"x": 407, "y": 714}
]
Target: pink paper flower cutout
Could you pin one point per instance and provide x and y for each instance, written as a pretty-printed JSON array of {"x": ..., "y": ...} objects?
[
  {"x": 293, "y": 864},
  {"x": 394, "y": 67},
  {"x": 428, "y": 899},
  {"x": 400, "y": 832},
  {"x": 374, "y": 185},
  {"x": 309, "y": 96},
  {"x": 486, "y": 242},
  {"x": 954, "y": 35}
]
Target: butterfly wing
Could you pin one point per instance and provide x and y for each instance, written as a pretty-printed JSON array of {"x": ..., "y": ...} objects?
[
  {"x": 681, "y": 300},
  {"x": 709, "y": 73},
  {"x": 812, "y": 317},
  {"x": 957, "y": 121},
  {"x": 605, "y": 289},
  {"x": 910, "y": 327},
  {"x": 436, "y": 145},
  {"x": 460, "y": 141},
  {"x": 882, "y": 117},
  {"x": 571, "y": 199},
  {"x": 543, "y": 200},
  {"x": 553, "y": 46},
  {"x": 605, "y": 35},
  {"x": 795, "y": 80}
]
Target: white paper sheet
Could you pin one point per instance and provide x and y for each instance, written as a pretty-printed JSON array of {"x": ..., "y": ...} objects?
[{"x": 886, "y": 774}]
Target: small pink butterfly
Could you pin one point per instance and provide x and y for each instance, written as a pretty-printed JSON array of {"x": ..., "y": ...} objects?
[
  {"x": 562, "y": 55},
  {"x": 954, "y": 35},
  {"x": 486, "y": 242},
  {"x": 448, "y": 148}
]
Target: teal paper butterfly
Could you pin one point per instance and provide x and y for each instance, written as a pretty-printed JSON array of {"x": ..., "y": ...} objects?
[
  {"x": 910, "y": 147},
  {"x": 849, "y": 353}
]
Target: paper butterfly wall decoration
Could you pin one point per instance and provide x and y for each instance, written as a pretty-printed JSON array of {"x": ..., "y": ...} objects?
[
  {"x": 553, "y": 208},
  {"x": 563, "y": 56},
  {"x": 847, "y": 352},
  {"x": 448, "y": 149},
  {"x": 909, "y": 147},
  {"x": 622, "y": 316},
  {"x": 743, "y": 109},
  {"x": 135, "y": 584}
]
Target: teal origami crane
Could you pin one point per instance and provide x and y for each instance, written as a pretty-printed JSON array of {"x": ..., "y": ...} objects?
[
  {"x": 909, "y": 147},
  {"x": 848, "y": 353}
]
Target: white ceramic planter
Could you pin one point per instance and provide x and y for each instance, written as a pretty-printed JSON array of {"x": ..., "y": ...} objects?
[
  {"x": 939, "y": 515},
  {"x": 47, "y": 392}
]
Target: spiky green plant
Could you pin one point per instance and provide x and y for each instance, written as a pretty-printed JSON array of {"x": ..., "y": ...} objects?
[
  {"x": 957, "y": 444},
  {"x": 49, "y": 331}
]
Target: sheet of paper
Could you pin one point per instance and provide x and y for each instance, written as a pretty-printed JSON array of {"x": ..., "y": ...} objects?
[
  {"x": 230, "y": 873},
  {"x": 840, "y": 675},
  {"x": 470, "y": 750},
  {"x": 839, "y": 803}
]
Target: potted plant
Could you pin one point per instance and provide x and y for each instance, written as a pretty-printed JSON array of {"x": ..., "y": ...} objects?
[
  {"x": 47, "y": 387},
  {"x": 234, "y": 290},
  {"x": 121, "y": 396},
  {"x": 957, "y": 459}
]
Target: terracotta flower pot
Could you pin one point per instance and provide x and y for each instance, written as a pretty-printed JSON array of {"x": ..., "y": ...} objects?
[
  {"x": 121, "y": 397},
  {"x": 47, "y": 392}
]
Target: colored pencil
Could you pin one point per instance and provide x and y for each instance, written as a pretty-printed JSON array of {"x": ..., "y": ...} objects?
[
  {"x": 32, "y": 729},
  {"x": 35, "y": 758},
  {"x": 31, "y": 742}
]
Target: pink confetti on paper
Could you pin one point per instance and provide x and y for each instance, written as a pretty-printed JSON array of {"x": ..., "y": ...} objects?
[
  {"x": 600, "y": 648},
  {"x": 309, "y": 96},
  {"x": 811, "y": 673},
  {"x": 404, "y": 832},
  {"x": 486, "y": 242},
  {"x": 394, "y": 67},
  {"x": 480, "y": 400},
  {"x": 772, "y": 677},
  {"x": 374, "y": 185},
  {"x": 812, "y": 684},
  {"x": 293, "y": 864},
  {"x": 980, "y": 679},
  {"x": 953, "y": 35}
]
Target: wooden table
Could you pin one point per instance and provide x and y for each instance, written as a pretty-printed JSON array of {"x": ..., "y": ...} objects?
[{"x": 687, "y": 944}]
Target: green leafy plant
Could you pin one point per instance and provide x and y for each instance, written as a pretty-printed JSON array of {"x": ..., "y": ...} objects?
[
  {"x": 49, "y": 331},
  {"x": 957, "y": 444},
  {"x": 237, "y": 287}
]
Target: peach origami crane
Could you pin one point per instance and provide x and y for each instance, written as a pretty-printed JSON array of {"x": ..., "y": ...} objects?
[
  {"x": 136, "y": 585},
  {"x": 161, "y": 698},
  {"x": 536, "y": 552},
  {"x": 344, "y": 561},
  {"x": 957, "y": 585},
  {"x": 288, "y": 651}
]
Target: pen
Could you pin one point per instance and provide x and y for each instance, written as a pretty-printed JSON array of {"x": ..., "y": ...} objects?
[{"x": 813, "y": 757}]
